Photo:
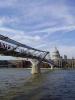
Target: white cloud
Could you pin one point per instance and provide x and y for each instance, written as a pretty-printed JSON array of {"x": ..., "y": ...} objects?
[
  {"x": 7, "y": 3},
  {"x": 51, "y": 11},
  {"x": 9, "y": 31},
  {"x": 20, "y": 36},
  {"x": 6, "y": 20},
  {"x": 68, "y": 50},
  {"x": 52, "y": 30}
]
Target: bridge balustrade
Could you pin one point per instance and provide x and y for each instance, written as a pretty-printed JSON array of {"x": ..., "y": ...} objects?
[
  {"x": 5, "y": 46},
  {"x": 8, "y": 47}
]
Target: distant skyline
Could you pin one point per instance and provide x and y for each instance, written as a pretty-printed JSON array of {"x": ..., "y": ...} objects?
[{"x": 42, "y": 24}]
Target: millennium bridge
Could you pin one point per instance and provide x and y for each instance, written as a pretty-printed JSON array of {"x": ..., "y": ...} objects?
[{"x": 10, "y": 47}]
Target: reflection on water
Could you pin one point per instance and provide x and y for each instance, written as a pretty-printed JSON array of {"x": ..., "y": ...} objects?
[{"x": 19, "y": 84}]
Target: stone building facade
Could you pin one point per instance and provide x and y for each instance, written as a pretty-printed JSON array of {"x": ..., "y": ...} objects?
[
  {"x": 62, "y": 62},
  {"x": 15, "y": 63},
  {"x": 57, "y": 58}
]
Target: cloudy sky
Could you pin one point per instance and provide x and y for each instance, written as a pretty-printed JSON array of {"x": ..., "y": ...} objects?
[{"x": 42, "y": 24}]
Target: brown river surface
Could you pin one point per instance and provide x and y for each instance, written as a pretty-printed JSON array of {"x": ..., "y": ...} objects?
[{"x": 20, "y": 84}]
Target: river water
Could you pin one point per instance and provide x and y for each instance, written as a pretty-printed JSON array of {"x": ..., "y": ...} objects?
[{"x": 20, "y": 84}]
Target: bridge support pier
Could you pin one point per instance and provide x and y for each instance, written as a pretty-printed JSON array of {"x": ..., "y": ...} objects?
[
  {"x": 35, "y": 66},
  {"x": 52, "y": 66}
]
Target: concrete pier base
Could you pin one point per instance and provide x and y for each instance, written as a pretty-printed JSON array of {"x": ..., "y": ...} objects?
[
  {"x": 35, "y": 67},
  {"x": 51, "y": 66}
]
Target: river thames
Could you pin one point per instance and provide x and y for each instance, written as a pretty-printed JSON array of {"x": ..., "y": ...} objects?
[{"x": 20, "y": 84}]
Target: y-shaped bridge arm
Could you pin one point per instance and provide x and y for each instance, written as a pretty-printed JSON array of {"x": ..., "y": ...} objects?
[{"x": 43, "y": 58}]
